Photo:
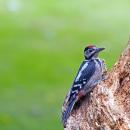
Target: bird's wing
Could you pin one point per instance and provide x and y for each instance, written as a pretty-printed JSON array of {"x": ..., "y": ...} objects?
[{"x": 85, "y": 72}]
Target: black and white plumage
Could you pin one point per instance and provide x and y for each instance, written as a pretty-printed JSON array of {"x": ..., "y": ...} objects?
[{"x": 89, "y": 75}]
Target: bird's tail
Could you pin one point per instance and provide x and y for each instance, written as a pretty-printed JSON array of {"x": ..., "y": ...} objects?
[{"x": 66, "y": 114}]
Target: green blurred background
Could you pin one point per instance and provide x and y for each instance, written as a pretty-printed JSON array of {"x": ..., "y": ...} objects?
[{"x": 41, "y": 48}]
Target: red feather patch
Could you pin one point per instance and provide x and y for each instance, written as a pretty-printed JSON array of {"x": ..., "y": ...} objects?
[{"x": 91, "y": 46}]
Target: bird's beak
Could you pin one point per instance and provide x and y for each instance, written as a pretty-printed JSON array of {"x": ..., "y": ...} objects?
[{"x": 99, "y": 49}]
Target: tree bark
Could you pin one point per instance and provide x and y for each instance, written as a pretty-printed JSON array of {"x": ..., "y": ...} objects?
[{"x": 108, "y": 106}]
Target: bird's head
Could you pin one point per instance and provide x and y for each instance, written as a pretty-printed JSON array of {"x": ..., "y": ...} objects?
[{"x": 92, "y": 51}]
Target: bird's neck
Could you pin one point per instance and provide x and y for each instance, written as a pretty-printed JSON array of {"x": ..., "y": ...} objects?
[
  {"x": 91, "y": 58},
  {"x": 94, "y": 56}
]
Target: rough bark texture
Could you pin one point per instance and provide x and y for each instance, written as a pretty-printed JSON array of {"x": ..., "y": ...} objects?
[{"x": 108, "y": 107}]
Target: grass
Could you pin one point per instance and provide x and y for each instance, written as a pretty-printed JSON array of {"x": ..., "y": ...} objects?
[{"x": 41, "y": 46}]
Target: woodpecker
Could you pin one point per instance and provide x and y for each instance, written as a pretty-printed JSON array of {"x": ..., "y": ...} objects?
[{"x": 89, "y": 75}]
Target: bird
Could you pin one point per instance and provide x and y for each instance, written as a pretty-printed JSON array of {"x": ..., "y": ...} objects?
[{"x": 90, "y": 73}]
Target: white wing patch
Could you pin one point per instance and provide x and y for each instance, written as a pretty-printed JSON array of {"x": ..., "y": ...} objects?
[{"x": 80, "y": 72}]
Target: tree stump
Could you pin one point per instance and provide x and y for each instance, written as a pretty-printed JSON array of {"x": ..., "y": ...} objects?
[{"x": 108, "y": 106}]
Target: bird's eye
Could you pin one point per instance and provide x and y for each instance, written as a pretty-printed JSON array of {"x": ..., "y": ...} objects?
[{"x": 90, "y": 50}]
